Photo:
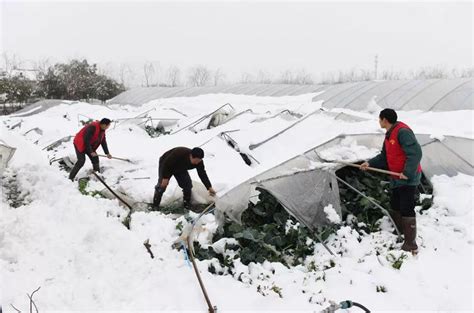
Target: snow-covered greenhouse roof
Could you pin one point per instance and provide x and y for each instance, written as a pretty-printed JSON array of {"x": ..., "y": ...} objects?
[
  {"x": 425, "y": 95},
  {"x": 40, "y": 106}
]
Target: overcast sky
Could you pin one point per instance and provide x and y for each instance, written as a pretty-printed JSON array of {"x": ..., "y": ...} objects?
[{"x": 243, "y": 36}]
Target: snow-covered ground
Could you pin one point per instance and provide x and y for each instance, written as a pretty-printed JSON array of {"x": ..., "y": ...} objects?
[{"x": 84, "y": 259}]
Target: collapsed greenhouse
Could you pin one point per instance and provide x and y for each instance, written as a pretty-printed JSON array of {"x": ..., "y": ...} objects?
[
  {"x": 449, "y": 156},
  {"x": 286, "y": 209},
  {"x": 307, "y": 184}
]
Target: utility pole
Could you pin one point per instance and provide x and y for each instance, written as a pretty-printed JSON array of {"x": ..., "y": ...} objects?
[{"x": 376, "y": 61}]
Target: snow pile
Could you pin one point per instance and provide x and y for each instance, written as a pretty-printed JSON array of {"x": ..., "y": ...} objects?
[
  {"x": 373, "y": 107},
  {"x": 348, "y": 151},
  {"x": 331, "y": 214}
]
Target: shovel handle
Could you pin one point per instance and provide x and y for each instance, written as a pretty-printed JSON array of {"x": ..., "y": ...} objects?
[
  {"x": 370, "y": 168},
  {"x": 104, "y": 156}
]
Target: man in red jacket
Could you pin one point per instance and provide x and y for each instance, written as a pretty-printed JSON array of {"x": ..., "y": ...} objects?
[{"x": 86, "y": 141}]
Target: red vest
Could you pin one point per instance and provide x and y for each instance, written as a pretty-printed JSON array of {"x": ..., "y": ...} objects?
[
  {"x": 396, "y": 157},
  {"x": 95, "y": 140}
]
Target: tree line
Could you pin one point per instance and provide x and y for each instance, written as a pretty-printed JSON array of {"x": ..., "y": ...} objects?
[
  {"x": 80, "y": 80},
  {"x": 153, "y": 75},
  {"x": 75, "y": 80}
]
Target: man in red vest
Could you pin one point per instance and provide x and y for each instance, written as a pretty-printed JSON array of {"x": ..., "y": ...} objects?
[
  {"x": 401, "y": 153},
  {"x": 86, "y": 141}
]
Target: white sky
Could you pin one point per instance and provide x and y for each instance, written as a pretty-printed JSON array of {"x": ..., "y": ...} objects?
[{"x": 243, "y": 36}]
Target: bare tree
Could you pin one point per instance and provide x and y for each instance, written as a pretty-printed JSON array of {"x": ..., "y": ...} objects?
[
  {"x": 173, "y": 76},
  {"x": 125, "y": 74},
  {"x": 286, "y": 77},
  {"x": 303, "y": 78},
  {"x": 264, "y": 77},
  {"x": 391, "y": 75},
  {"x": 247, "y": 78},
  {"x": 218, "y": 77},
  {"x": 148, "y": 73},
  {"x": 41, "y": 66},
  {"x": 106, "y": 69},
  {"x": 430, "y": 72},
  {"x": 10, "y": 62},
  {"x": 352, "y": 75},
  {"x": 347, "y": 76},
  {"x": 365, "y": 75},
  {"x": 157, "y": 76},
  {"x": 199, "y": 76},
  {"x": 468, "y": 72},
  {"x": 327, "y": 78}
]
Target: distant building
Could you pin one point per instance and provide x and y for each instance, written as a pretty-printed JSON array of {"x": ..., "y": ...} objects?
[{"x": 28, "y": 74}]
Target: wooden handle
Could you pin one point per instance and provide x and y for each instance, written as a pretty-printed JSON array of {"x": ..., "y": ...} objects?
[
  {"x": 126, "y": 160},
  {"x": 370, "y": 168}
]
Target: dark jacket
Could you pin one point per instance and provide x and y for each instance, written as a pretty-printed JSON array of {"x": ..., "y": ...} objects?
[
  {"x": 177, "y": 160},
  {"x": 413, "y": 152}
]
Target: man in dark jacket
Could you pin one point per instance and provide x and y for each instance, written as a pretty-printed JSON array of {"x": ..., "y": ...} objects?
[
  {"x": 401, "y": 153},
  {"x": 176, "y": 162},
  {"x": 86, "y": 142}
]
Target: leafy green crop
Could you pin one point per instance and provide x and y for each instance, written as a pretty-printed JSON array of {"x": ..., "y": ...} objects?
[
  {"x": 269, "y": 233},
  {"x": 83, "y": 184}
]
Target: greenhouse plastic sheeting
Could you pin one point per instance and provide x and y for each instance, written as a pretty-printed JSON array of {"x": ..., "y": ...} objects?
[
  {"x": 6, "y": 153},
  {"x": 398, "y": 97},
  {"x": 305, "y": 195},
  {"x": 461, "y": 98},
  {"x": 346, "y": 97},
  {"x": 425, "y": 95},
  {"x": 440, "y": 160},
  {"x": 235, "y": 201},
  {"x": 461, "y": 146},
  {"x": 380, "y": 90},
  {"x": 432, "y": 94},
  {"x": 332, "y": 92}
]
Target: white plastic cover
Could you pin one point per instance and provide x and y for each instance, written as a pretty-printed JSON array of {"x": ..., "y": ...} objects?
[{"x": 6, "y": 153}]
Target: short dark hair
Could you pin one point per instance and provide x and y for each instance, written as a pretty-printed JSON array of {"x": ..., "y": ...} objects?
[
  {"x": 105, "y": 121},
  {"x": 197, "y": 153},
  {"x": 389, "y": 114}
]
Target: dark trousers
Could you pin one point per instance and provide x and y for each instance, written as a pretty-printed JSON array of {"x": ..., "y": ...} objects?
[
  {"x": 402, "y": 200},
  {"x": 184, "y": 181},
  {"x": 81, "y": 159}
]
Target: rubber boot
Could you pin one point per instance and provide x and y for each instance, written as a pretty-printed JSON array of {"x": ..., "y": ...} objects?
[
  {"x": 397, "y": 219},
  {"x": 157, "y": 197},
  {"x": 409, "y": 231},
  {"x": 187, "y": 199}
]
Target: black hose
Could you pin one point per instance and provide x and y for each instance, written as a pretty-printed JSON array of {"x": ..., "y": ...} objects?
[{"x": 361, "y": 306}]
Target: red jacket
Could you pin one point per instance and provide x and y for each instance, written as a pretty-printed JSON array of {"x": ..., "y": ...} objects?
[
  {"x": 396, "y": 157},
  {"x": 95, "y": 140}
]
